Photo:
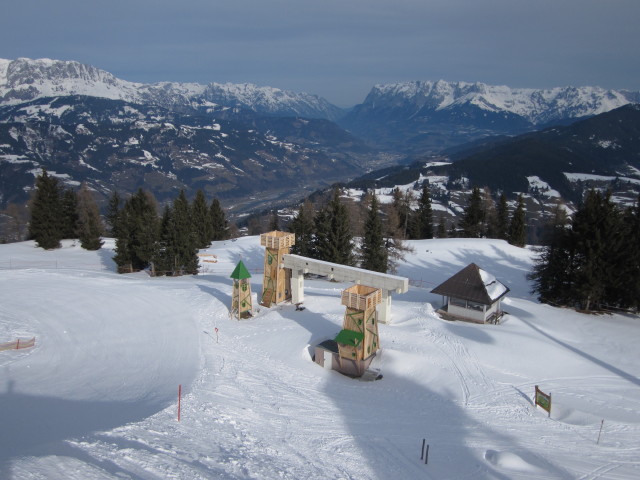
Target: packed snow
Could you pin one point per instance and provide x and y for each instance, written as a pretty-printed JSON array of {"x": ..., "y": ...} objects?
[{"x": 96, "y": 398}]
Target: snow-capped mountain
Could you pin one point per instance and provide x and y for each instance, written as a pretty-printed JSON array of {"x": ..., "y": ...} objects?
[
  {"x": 432, "y": 115},
  {"x": 23, "y": 80}
]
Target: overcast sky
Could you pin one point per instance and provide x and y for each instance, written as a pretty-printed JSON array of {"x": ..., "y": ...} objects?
[{"x": 337, "y": 49}]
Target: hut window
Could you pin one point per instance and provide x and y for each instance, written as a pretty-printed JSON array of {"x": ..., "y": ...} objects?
[
  {"x": 475, "y": 306},
  {"x": 458, "y": 302}
]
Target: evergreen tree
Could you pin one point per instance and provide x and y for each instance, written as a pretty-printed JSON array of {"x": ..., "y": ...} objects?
[
  {"x": 321, "y": 246},
  {"x": 374, "y": 252},
  {"x": 518, "y": 225},
  {"x": 472, "y": 223},
  {"x": 274, "y": 223},
  {"x": 163, "y": 256},
  {"x": 553, "y": 275},
  {"x": 588, "y": 265},
  {"x": 502, "y": 219},
  {"x": 219, "y": 224},
  {"x": 597, "y": 237},
  {"x": 46, "y": 210},
  {"x": 201, "y": 219},
  {"x": 400, "y": 212},
  {"x": 303, "y": 227},
  {"x": 442, "y": 227},
  {"x": 421, "y": 223},
  {"x": 89, "y": 224},
  {"x": 113, "y": 210},
  {"x": 628, "y": 287},
  {"x": 333, "y": 241},
  {"x": 182, "y": 238},
  {"x": 340, "y": 237},
  {"x": 69, "y": 214},
  {"x": 138, "y": 230},
  {"x": 490, "y": 214}
]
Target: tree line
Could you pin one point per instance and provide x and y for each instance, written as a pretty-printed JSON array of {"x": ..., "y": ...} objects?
[
  {"x": 59, "y": 213},
  {"x": 167, "y": 244},
  {"x": 592, "y": 261},
  {"x": 331, "y": 232}
]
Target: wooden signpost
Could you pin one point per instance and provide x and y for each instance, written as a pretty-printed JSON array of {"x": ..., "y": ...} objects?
[{"x": 543, "y": 400}]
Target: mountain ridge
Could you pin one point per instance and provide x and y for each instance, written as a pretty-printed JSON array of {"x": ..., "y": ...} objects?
[
  {"x": 428, "y": 116},
  {"x": 24, "y": 79}
]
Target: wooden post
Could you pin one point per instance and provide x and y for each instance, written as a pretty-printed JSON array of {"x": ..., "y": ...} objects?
[
  {"x": 601, "y": 424},
  {"x": 422, "y": 454},
  {"x": 18, "y": 345},
  {"x": 179, "y": 399}
]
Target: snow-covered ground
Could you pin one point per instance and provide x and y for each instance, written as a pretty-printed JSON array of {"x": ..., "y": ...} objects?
[{"x": 96, "y": 398}]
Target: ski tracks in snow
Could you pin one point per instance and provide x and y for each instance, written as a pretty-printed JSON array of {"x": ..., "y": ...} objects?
[{"x": 472, "y": 378}]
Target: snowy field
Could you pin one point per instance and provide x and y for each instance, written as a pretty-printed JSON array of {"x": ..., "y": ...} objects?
[{"x": 96, "y": 398}]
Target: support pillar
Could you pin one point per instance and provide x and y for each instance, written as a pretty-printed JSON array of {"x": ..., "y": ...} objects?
[
  {"x": 297, "y": 286},
  {"x": 384, "y": 308}
]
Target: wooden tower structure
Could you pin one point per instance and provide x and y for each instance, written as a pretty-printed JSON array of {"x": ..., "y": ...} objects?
[
  {"x": 241, "y": 305},
  {"x": 276, "y": 285},
  {"x": 358, "y": 340}
]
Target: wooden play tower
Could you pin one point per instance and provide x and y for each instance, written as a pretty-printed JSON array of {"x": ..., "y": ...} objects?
[
  {"x": 276, "y": 285},
  {"x": 358, "y": 341},
  {"x": 241, "y": 305}
]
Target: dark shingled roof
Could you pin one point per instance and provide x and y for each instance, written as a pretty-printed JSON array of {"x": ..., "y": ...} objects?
[{"x": 474, "y": 284}]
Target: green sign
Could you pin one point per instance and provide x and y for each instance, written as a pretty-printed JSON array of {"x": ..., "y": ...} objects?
[{"x": 543, "y": 400}]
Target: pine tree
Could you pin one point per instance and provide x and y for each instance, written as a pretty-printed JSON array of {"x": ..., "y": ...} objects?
[
  {"x": 182, "y": 238},
  {"x": 553, "y": 274},
  {"x": 628, "y": 288},
  {"x": 587, "y": 265},
  {"x": 89, "y": 224},
  {"x": 421, "y": 223},
  {"x": 597, "y": 236},
  {"x": 303, "y": 227},
  {"x": 321, "y": 246},
  {"x": 138, "y": 231},
  {"x": 162, "y": 262},
  {"x": 472, "y": 223},
  {"x": 332, "y": 240},
  {"x": 46, "y": 210},
  {"x": 69, "y": 214},
  {"x": 518, "y": 225},
  {"x": 274, "y": 223},
  {"x": 113, "y": 210},
  {"x": 374, "y": 253},
  {"x": 400, "y": 212},
  {"x": 502, "y": 218},
  {"x": 220, "y": 227},
  {"x": 201, "y": 219},
  {"x": 490, "y": 214},
  {"x": 340, "y": 238}
]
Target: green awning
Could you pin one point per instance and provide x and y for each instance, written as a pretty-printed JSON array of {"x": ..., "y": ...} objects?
[
  {"x": 349, "y": 337},
  {"x": 240, "y": 272}
]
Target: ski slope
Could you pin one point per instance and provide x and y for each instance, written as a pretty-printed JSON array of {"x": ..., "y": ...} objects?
[{"x": 96, "y": 398}]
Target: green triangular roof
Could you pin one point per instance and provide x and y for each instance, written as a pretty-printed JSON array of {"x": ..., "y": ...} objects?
[
  {"x": 240, "y": 272},
  {"x": 349, "y": 337}
]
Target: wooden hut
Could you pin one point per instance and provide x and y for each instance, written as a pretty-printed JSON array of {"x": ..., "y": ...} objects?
[
  {"x": 472, "y": 294},
  {"x": 276, "y": 284}
]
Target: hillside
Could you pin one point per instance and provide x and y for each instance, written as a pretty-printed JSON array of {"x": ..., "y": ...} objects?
[
  {"x": 117, "y": 145},
  {"x": 554, "y": 165},
  {"x": 96, "y": 398}
]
